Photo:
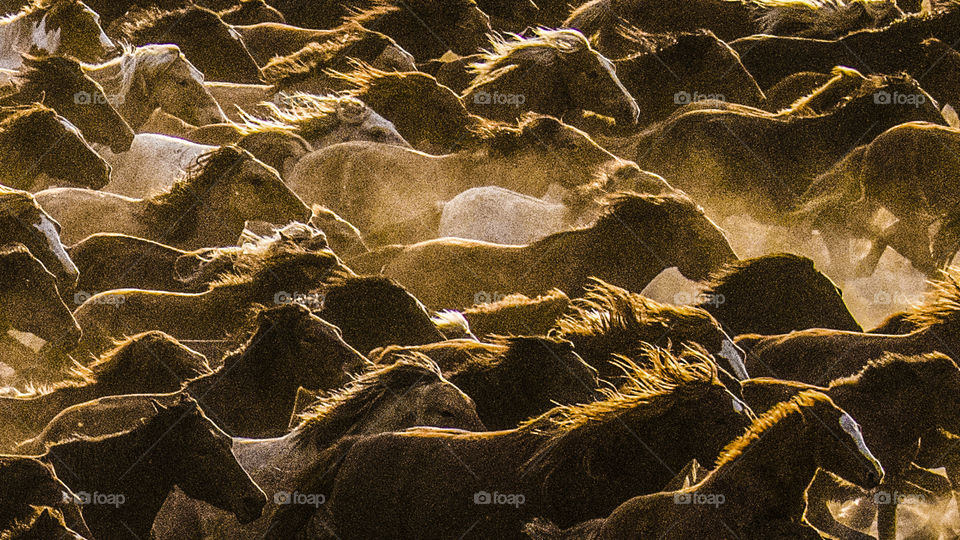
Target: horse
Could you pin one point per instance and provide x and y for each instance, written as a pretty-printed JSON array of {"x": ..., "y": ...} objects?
[
  {"x": 599, "y": 19},
  {"x": 888, "y": 175},
  {"x": 325, "y": 120},
  {"x": 633, "y": 240},
  {"x": 286, "y": 349},
  {"x": 516, "y": 314},
  {"x": 143, "y": 79},
  {"x": 117, "y": 261},
  {"x": 747, "y": 163},
  {"x": 771, "y": 58},
  {"x": 917, "y": 391},
  {"x": 212, "y": 314},
  {"x": 424, "y": 28},
  {"x": 744, "y": 495},
  {"x": 38, "y": 147},
  {"x": 501, "y": 216},
  {"x": 373, "y": 311},
  {"x": 23, "y": 221},
  {"x": 429, "y": 115},
  {"x": 214, "y": 46},
  {"x": 667, "y": 71},
  {"x": 61, "y": 84},
  {"x": 343, "y": 237},
  {"x": 775, "y": 294},
  {"x": 151, "y": 362},
  {"x": 45, "y": 524},
  {"x": 31, "y": 310},
  {"x": 62, "y": 27},
  {"x": 817, "y": 356},
  {"x": 552, "y": 72},
  {"x": 151, "y": 165},
  {"x": 822, "y": 19},
  {"x": 28, "y": 484},
  {"x": 207, "y": 208},
  {"x": 408, "y": 393},
  {"x": 510, "y": 379},
  {"x": 310, "y": 68},
  {"x": 132, "y": 472},
  {"x": 608, "y": 321},
  {"x": 267, "y": 41},
  {"x": 407, "y": 184},
  {"x": 572, "y": 463}
]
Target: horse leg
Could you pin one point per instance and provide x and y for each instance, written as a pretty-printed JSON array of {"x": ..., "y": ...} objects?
[
  {"x": 909, "y": 238},
  {"x": 887, "y": 515},
  {"x": 823, "y": 488},
  {"x": 868, "y": 264},
  {"x": 838, "y": 247}
]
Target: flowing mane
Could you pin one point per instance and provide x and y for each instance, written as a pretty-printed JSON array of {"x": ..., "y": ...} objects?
[
  {"x": 507, "y": 53},
  {"x": 154, "y": 22},
  {"x": 896, "y": 370},
  {"x": 308, "y": 115},
  {"x": 180, "y": 204},
  {"x": 647, "y": 393},
  {"x": 812, "y": 18},
  {"x": 942, "y": 310},
  {"x": 147, "y": 61},
  {"x": 767, "y": 420},
  {"x": 333, "y": 414}
]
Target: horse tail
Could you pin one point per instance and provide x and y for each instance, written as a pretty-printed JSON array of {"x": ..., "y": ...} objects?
[
  {"x": 289, "y": 520},
  {"x": 544, "y": 529}
]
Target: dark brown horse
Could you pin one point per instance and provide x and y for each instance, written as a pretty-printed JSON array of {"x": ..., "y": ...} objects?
[
  {"x": 918, "y": 394},
  {"x": 776, "y": 294},
  {"x": 121, "y": 480},
  {"x": 511, "y": 379},
  {"x": 571, "y": 464},
  {"x": 551, "y": 72},
  {"x": 425, "y": 28},
  {"x": 607, "y": 322},
  {"x": 374, "y": 312},
  {"x": 23, "y": 221},
  {"x": 817, "y": 356},
  {"x": 28, "y": 484},
  {"x": 36, "y": 142},
  {"x": 516, "y": 314},
  {"x": 736, "y": 162},
  {"x": 152, "y": 362},
  {"x": 61, "y": 84},
  {"x": 211, "y": 44},
  {"x": 757, "y": 488}
]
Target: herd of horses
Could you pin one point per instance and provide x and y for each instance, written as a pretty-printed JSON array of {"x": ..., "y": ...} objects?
[{"x": 381, "y": 268}]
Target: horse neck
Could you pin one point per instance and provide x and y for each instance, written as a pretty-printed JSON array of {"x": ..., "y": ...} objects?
[
  {"x": 15, "y": 160},
  {"x": 892, "y": 434},
  {"x": 41, "y": 409},
  {"x": 770, "y": 477},
  {"x": 15, "y": 38},
  {"x": 134, "y": 108},
  {"x": 547, "y": 264},
  {"x": 118, "y": 464}
]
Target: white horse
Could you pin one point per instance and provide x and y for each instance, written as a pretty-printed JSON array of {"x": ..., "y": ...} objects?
[
  {"x": 502, "y": 216},
  {"x": 144, "y": 79},
  {"x": 66, "y": 27},
  {"x": 152, "y": 165}
]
